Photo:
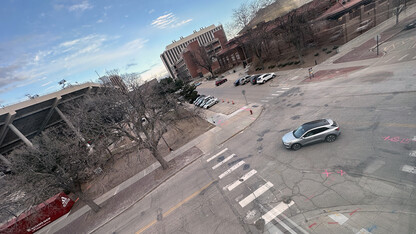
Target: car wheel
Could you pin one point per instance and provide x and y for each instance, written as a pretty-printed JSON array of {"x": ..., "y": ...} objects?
[
  {"x": 296, "y": 146},
  {"x": 331, "y": 138}
]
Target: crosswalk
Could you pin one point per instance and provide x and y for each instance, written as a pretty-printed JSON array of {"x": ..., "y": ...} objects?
[
  {"x": 275, "y": 94},
  {"x": 410, "y": 168},
  {"x": 232, "y": 173}
]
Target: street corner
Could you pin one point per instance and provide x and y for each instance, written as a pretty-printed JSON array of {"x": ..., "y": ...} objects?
[{"x": 322, "y": 75}]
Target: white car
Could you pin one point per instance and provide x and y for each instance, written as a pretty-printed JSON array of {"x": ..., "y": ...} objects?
[
  {"x": 265, "y": 77},
  {"x": 211, "y": 103}
]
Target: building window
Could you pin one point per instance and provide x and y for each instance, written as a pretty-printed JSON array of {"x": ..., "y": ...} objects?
[
  {"x": 237, "y": 55},
  {"x": 233, "y": 58}
]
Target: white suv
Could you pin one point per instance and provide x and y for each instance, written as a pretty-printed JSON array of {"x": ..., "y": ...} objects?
[{"x": 265, "y": 77}]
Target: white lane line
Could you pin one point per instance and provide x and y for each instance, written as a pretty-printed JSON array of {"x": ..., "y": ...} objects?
[
  {"x": 275, "y": 94},
  {"x": 294, "y": 78},
  {"x": 339, "y": 218},
  {"x": 269, "y": 97},
  {"x": 412, "y": 154},
  {"x": 240, "y": 181},
  {"x": 223, "y": 161},
  {"x": 280, "y": 91},
  {"x": 231, "y": 169},
  {"x": 414, "y": 46},
  {"x": 222, "y": 151},
  {"x": 409, "y": 169},
  {"x": 414, "y": 57},
  {"x": 285, "y": 88},
  {"x": 290, "y": 230},
  {"x": 294, "y": 224},
  {"x": 388, "y": 60},
  {"x": 255, "y": 194},
  {"x": 400, "y": 59},
  {"x": 264, "y": 100},
  {"x": 280, "y": 208}
]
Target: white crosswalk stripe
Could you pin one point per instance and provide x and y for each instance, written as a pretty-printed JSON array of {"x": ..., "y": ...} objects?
[
  {"x": 285, "y": 88},
  {"x": 264, "y": 100},
  {"x": 231, "y": 169},
  {"x": 280, "y": 91},
  {"x": 400, "y": 59},
  {"x": 222, "y": 151},
  {"x": 277, "y": 210},
  {"x": 255, "y": 194},
  {"x": 241, "y": 180},
  {"x": 223, "y": 161},
  {"x": 275, "y": 94}
]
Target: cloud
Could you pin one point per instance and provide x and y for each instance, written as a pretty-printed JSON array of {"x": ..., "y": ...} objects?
[
  {"x": 99, "y": 21},
  {"x": 151, "y": 11},
  {"x": 131, "y": 65},
  {"x": 45, "y": 84},
  {"x": 80, "y": 7},
  {"x": 157, "y": 71},
  {"x": 168, "y": 21}
]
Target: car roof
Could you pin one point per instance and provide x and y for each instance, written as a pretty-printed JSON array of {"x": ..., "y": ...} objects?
[{"x": 316, "y": 123}]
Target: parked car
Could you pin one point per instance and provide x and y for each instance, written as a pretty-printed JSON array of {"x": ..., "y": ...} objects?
[
  {"x": 265, "y": 77},
  {"x": 410, "y": 25},
  {"x": 210, "y": 103},
  {"x": 253, "y": 79},
  {"x": 311, "y": 132},
  {"x": 237, "y": 82},
  {"x": 336, "y": 35},
  {"x": 244, "y": 79},
  {"x": 364, "y": 26},
  {"x": 205, "y": 101},
  {"x": 198, "y": 99},
  {"x": 197, "y": 84},
  {"x": 220, "y": 82}
]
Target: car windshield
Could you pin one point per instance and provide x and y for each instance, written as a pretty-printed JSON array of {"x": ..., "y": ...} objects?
[{"x": 299, "y": 132}]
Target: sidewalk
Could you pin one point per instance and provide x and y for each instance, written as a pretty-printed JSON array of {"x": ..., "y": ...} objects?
[{"x": 131, "y": 191}]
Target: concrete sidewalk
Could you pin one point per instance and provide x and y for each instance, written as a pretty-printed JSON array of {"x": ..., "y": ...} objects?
[{"x": 202, "y": 145}]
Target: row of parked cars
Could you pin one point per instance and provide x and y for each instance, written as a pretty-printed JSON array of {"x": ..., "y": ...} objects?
[
  {"x": 254, "y": 79},
  {"x": 205, "y": 101}
]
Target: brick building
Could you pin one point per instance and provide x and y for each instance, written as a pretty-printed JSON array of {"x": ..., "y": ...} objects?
[{"x": 179, "y": 57}]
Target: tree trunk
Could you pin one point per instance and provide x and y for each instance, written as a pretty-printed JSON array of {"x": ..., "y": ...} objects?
[
  {"x": 159, "y": 158},
  {"x": 94, "y": 206}
]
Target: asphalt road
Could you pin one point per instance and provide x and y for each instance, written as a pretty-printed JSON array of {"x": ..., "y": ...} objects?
[{"x": 252, "y": 176}]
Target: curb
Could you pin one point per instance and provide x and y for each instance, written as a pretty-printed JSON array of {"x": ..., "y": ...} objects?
[
  {"x": 243, "y": 128},
  {"x": 381, "y": 43},
  {"x": 147, "y": 193}
]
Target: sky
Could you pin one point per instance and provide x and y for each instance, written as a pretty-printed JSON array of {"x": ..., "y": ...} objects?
[{"x": 46, "y": 41}]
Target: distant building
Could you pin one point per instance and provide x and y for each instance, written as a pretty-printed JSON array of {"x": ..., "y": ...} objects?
[
  {"x": 177, "y": 56},
  {"x": 115, "y": 81}
]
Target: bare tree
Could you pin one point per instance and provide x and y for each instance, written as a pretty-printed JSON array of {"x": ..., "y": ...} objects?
[
  {"x": 58, "y": 161},
  {"x": 142, "y": 113},
  {"x": 399, "y": 7},
  {"x": 204, "y": 59},
  {"x": 296, "y": 30}
]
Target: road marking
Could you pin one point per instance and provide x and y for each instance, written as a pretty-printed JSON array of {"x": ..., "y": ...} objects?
[
  {"x": 280, "y": 208},
  {"x": 294, "y": 224},
  {"x": 339, "y": 218},
  {"x": 400, "y": 59},
  {"x": 264, "y": 100},
  {"x": 222, "y": 151},
  {"x": 409, "y": 169},
  {"x": 231, "y": 169},
  {"x": 414, "y": 46},
  {"x": 255, "y": 194},
  {"x": 269, "y": 97},
  {"x": 285, "y": 88},
  {"x": 363, "y": 231},
  {"x": 414, "y": 57},
  {"x": 275, "y": 94},
  {"x": 223, "y": 161},
  {"x": 175, "y": 207},
  {"x": 412, "y": 154},
  {"x": 294, "y": 78},
  {"x": 388, "y": 60},
  {"x": 280, "y": 91},
  {"x": 240, "y": 181}
]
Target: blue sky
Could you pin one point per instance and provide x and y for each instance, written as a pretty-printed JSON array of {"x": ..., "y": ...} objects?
[{"x": 43, "y": 42}]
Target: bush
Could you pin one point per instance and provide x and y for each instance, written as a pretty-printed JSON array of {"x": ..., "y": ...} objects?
[
  {"x": 317, "y": 54},
  {"x": 329, "y": 51},
  {"x": 284, "y": 65},
  {"x": 290, "y": 63},
  {"x": 280, "y": 65},
  {"x": 335, "y": 47},
  {"x": 324, "y": 49},
  {"x": 271, "y": 67},
  {"x": 297, "y": 62}
]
